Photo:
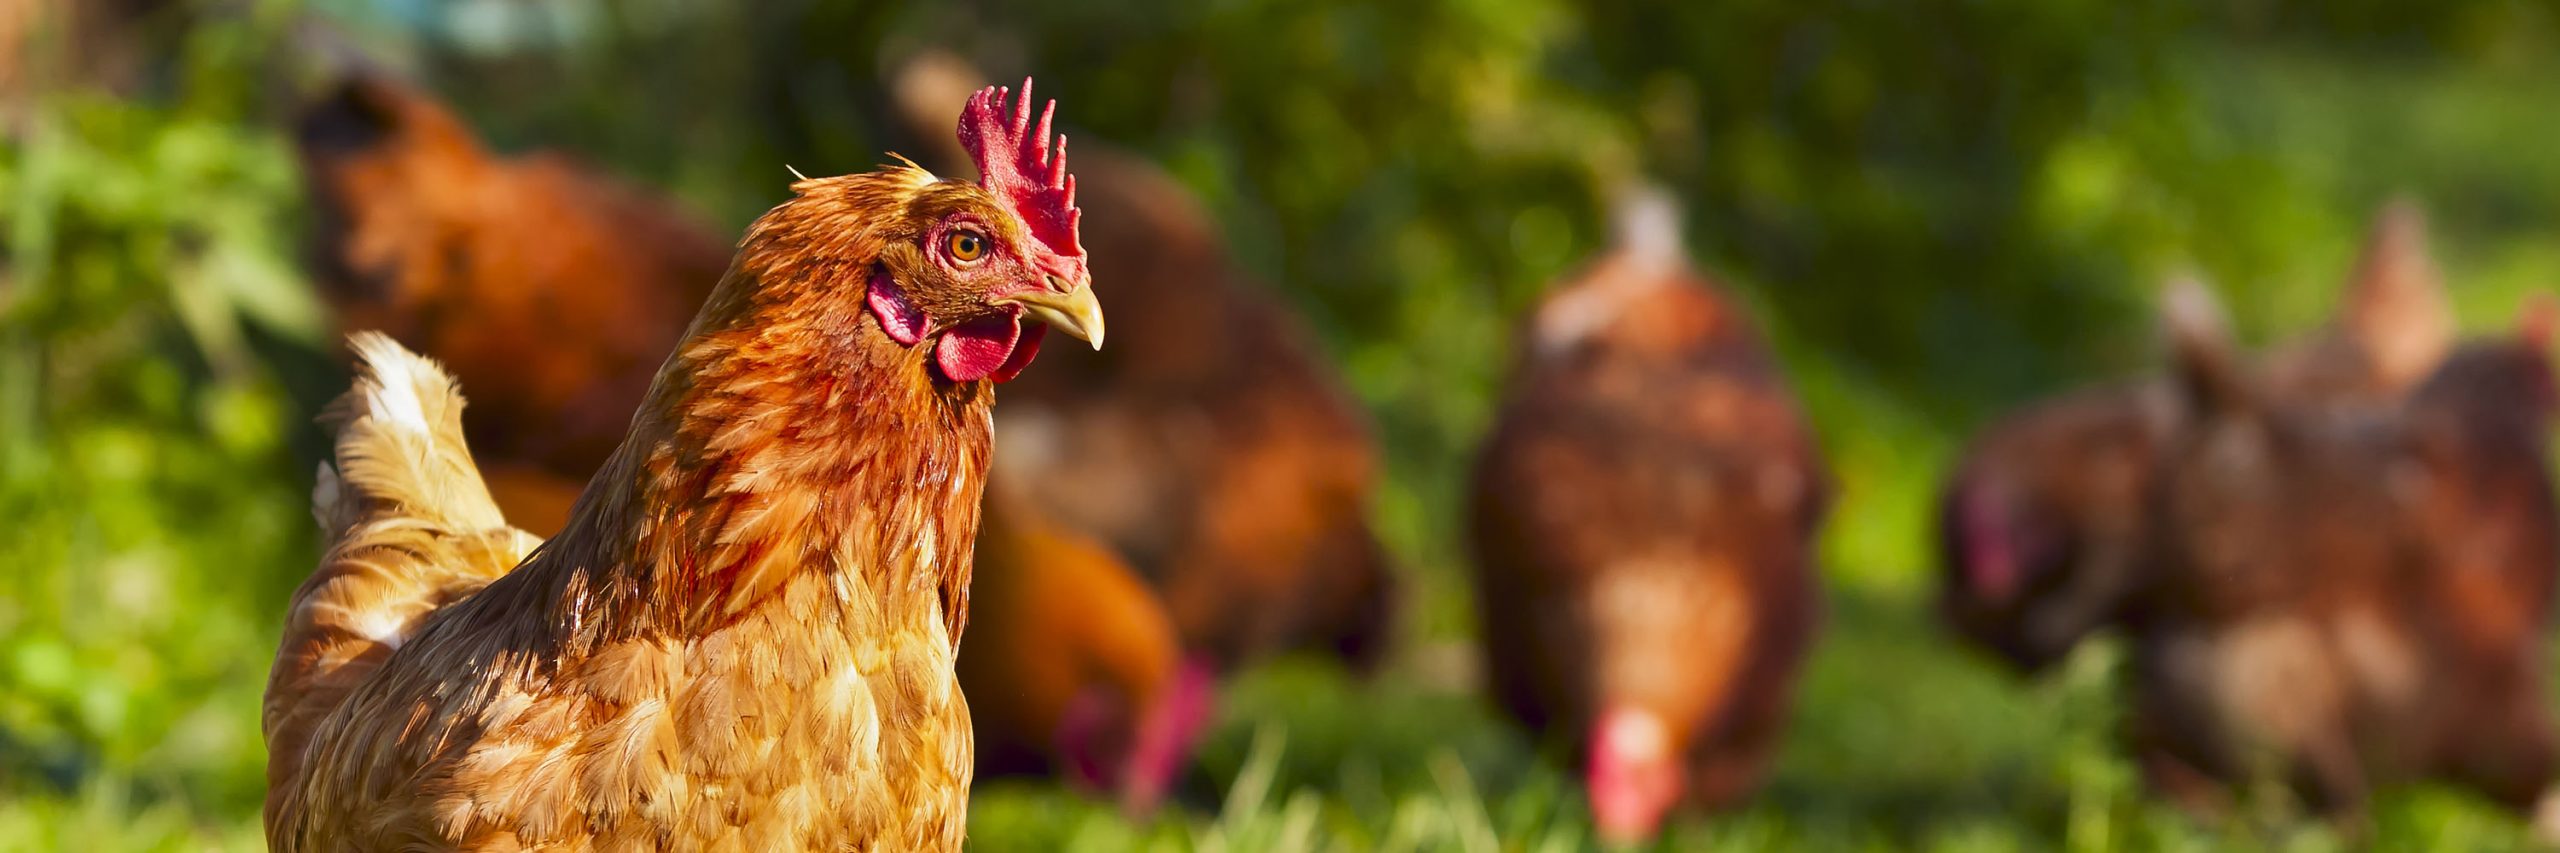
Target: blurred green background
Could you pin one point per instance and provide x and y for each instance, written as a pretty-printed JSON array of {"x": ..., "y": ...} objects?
[{"x": 1941, "y": 208}]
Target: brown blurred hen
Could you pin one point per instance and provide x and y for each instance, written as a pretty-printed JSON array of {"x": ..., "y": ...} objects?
[
  {"x": 1643, "y": 520},
  {"x": 1212, "y": 444},
  {"x": 2347, "y": 597},
  {"x": 743, "y": 638},
  {"x": 1075, "y": 669},
  {"x": 553, "y": 291}
]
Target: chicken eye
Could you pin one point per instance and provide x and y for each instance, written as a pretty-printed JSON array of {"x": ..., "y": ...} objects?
[{"x": 966, "y": 246}]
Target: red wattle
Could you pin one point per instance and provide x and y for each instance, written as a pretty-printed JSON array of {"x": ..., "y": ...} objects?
[
  {"x": 978, "y": 349},
  {"x": 1023, "y": 350}
]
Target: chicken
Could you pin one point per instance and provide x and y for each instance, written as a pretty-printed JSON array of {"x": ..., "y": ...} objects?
[
  {"x": 552, "y": 291},
  {"x": 744, "y": 636},
  {"x": 1212, "y": 445},
  {"x": 1643, "y": 520},
  {"x": 2333, "y": 607},
  {"x": 537, "y": 489},
  {"x": 1097, "y": 693},
  {"x": 2042, "y": 524}
]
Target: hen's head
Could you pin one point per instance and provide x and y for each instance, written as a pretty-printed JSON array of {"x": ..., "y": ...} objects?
[
  {"x": 958, "y": 265},
  {"x": 2041, "y": 526},
  {"x": 1634, "y": 775},
  {"x": 1105, "y": 744}
]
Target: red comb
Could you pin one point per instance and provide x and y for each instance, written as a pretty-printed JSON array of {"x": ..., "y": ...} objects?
[{"x": 1015, "y": 162}]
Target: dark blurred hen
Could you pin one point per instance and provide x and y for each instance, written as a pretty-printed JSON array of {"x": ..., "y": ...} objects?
[
  {"x": 1211, "y": 444},
  {"x": 1643, "y": 520},
  {"x": 2346, "y": 597},
  {"x": 2041, "y": 525}
]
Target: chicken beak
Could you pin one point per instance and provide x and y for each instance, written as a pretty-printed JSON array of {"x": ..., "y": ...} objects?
[{"x": 1074, "y": 311}]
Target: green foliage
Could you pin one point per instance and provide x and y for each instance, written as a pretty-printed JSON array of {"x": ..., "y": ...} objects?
[
  {"x": 1939, "y": 207},
  {"x": 155, "y": 520}
]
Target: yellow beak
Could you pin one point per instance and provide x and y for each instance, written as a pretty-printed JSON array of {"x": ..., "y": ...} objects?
[{"x": 1074, "y": 312}]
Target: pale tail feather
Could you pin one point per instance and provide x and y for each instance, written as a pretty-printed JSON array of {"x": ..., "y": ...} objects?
[
  {"x": 399, "y": 445},
  {"x": 410, "y": 527}
]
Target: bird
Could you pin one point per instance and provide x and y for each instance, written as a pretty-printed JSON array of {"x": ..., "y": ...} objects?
[
  {"x": 744, "y": 635},
  {"x": 1642, "y": 523},
  {"x": 2346, "y": 597},
  {"x": 386, "y": 158}
]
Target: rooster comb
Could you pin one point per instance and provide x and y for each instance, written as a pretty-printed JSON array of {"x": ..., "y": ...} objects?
[{"x": 1016, "y": 162}]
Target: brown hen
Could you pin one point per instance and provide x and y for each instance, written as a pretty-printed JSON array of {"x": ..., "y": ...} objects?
[
  {"x": 1643, "y": 520},
  {"x": 2347, "y": 597},
  {"x": 1046, "y": 651},
  {"x": 744, "y": 636}
]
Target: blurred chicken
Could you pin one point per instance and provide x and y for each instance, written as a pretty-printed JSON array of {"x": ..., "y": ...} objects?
[
  {"x": 554, "y": 292},
  {"x": 744, "y": 637},
  {"x": 1643, "y": 520},
  {"x": 2334, "y": 608},
  {"x": 2041, "y": 526},
  {"x": 1074, "y": 669},
  {"x": 1212, "y": 444}
]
